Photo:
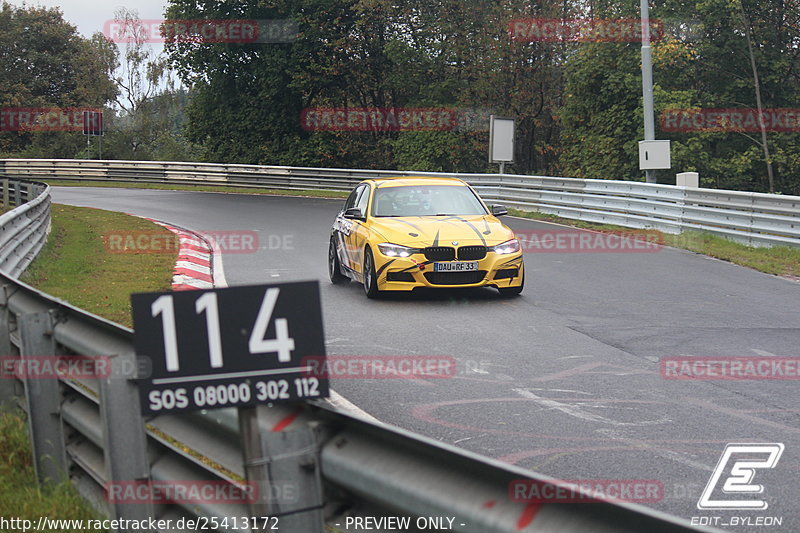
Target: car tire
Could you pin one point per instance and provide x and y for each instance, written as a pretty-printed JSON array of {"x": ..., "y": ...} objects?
[
  {"x": 334, "y": 268},
  {"x": 511, "y": 292},
  {"x": 370, "y": 279}
]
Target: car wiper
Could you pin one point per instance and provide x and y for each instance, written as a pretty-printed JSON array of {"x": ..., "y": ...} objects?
[{"x": 445, "y": 215}]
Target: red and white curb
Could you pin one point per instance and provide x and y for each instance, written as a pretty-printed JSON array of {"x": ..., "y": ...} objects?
[{"x": 199, "y": 265}]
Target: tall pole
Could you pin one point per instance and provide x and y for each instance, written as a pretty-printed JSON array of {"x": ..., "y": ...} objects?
[{"x": 647, "y": 83}]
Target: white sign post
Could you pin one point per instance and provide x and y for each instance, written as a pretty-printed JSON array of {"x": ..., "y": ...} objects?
[{"x": 501, "y": 141}]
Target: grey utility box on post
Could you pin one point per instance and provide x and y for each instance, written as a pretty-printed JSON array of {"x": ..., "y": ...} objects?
[{"x": 654, "y": 155}]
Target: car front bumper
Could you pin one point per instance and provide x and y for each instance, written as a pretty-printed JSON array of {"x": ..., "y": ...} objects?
[{"x": 409, "y": 273}]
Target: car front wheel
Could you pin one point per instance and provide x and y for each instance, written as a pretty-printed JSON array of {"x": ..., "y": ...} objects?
[
  {"x": 334, "y": 268},
  {"x": 370, "y": 279}
]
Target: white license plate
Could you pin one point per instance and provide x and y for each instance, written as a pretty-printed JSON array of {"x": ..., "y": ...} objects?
[{"x": 456, "y": 266}]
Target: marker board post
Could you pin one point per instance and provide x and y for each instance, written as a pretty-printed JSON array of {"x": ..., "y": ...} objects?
[
  {"x": 501, "y": 141},
  {"x": 250, "y": 348}
]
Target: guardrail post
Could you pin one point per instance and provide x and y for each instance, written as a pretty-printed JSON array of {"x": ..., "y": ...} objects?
[
  {"x": 8, "y": 385},
  {"x": 5, "y": 193},
  {"x": 43, "y": 396},
  {"x": 17, "y": 200},
  {"x": 751, "y": 231},
  {"x": 283, "y": 463},
  {"x": 124, "y": 437}
]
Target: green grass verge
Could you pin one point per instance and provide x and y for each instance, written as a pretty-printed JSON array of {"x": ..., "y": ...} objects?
[
  {"x": 20, "y": 494},
  {"x": 778, "y": 260},
  {"x": 75, "y": 265},
  {"x": 202, "y": 188}
]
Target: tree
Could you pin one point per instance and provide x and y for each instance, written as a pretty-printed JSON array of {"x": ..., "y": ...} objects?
[
  {"x": 578, "y": 106},
  {"x": 727, "y": 60},
  {"x": 602, "y": 117},
  {"x": 246, "y": 98},
  {"x": 146, "y": 92},
  {"x": 44, "y": 62}
]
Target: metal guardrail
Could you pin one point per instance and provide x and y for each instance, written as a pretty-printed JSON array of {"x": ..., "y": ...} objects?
[
  {"x": 755, "y": 219},
  {"x": 97, "y": 435},
  {"x": 91, "y": 431},
  {"x": 25, "y": 224}
]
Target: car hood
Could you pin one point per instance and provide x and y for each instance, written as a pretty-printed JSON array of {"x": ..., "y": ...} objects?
[{"x": 425, "y": 231}]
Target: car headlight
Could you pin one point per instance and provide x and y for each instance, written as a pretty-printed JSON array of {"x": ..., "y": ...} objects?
[
  {"x": 508, "y": 247},
  {"x": 396, "y": 250}
]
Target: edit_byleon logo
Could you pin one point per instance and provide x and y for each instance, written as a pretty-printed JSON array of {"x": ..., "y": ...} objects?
[{"x": 739, "y": 462}]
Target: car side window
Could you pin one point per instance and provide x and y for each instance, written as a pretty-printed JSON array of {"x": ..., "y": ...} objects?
[
  {"x": 351, "y": 200},
  {"x": 363, "y": 199}
]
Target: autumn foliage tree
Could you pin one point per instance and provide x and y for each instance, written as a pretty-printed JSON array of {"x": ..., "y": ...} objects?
[
  {"x": 577, "y": 103},
  {"x": 44, "y": 62}
]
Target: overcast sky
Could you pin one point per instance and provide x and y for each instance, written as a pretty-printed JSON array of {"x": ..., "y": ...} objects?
[{"x": 90, "y": 15}]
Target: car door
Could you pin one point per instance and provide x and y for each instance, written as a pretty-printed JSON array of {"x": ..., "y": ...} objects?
[
  {"x": 346, "y": 229},
  {"x": 360, "y": 232}
]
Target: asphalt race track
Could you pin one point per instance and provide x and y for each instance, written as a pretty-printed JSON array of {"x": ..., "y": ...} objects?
[{"x": 563, "y": 380}]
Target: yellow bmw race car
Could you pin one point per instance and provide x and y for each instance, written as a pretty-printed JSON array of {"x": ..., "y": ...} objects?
[{"x": 399, "y": 234}]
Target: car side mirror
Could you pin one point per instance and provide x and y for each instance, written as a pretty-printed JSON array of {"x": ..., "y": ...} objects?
[
  {"x": 355, "y": 212},
  {"x": 499, "y": 210}
]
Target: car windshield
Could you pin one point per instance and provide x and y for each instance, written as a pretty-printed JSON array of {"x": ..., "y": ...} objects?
[{"x": 426, "y": 200}]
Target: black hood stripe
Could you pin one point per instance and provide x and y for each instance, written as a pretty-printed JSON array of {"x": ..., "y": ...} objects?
[
  {"x": 409, "y": 223},
  {"x": 476, "y": 230},
  {"x": 449, "y": 219}
]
